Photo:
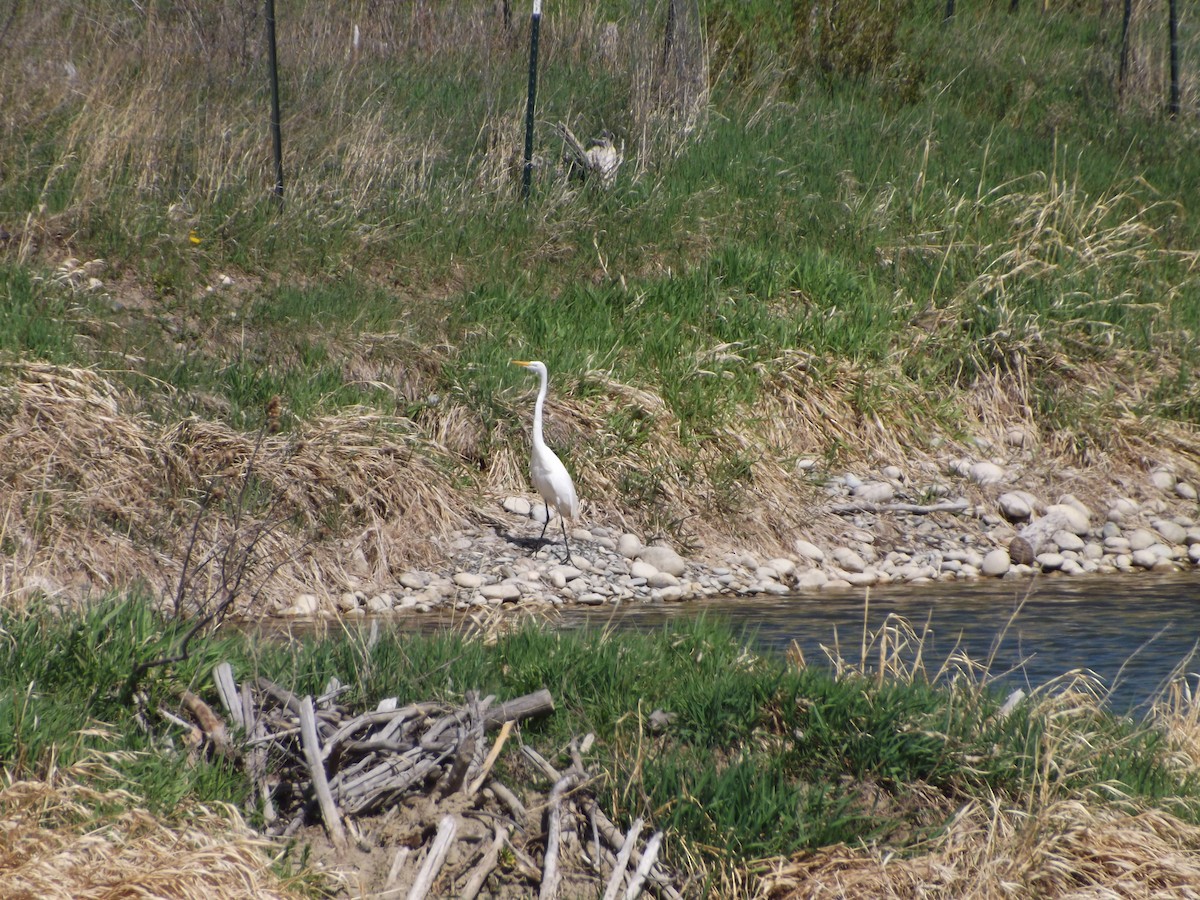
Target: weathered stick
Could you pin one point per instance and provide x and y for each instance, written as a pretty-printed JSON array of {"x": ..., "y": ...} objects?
[
  {"x": 469, "y": 747},
  {"x": 550, "y": 875},
  {"x": 493, "y": 754},
  {"x": 398, "y": 862},
  {"x": 363, "y": 801},
  {"x": 615, "y": 838},
  {"x": 316, "y": 765},
  {"x": 395, "y": 717},
  {"x": 227, "y": 690},
  {"x": 618, "y": 872},
  {"x": 428, "y": 872},
  {"x": 283, "y": 695},
  {"x": 509, "y": 799},
  {"x": 256, "y": 757},
  {"x": 644, "y": 867},
  {"x": 484, "y": 867},
  {"x": 541, "y": 762}
]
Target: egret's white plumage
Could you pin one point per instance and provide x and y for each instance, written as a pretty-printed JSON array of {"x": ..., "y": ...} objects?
[{"x": 546, "y": 470}]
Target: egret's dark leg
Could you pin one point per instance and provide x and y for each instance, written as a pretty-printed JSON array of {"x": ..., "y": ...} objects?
[
  {"x": 566, "y": 544},
  {"x": 545, "y": 525}
]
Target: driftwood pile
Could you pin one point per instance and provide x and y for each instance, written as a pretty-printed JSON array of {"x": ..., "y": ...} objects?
[{"x": 312, "y": 760}]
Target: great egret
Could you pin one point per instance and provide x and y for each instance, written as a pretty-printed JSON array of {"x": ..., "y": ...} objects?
[{"x": 546, "y": 470}]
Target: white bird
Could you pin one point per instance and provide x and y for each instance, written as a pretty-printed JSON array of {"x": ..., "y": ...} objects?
[{"x": 546, "y": 470}]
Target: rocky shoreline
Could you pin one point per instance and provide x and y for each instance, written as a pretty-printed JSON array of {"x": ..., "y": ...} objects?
[{"x": 963, "y": 519}]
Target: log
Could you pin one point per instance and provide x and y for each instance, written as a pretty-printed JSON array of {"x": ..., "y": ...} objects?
[
  {"x": 539, "y": 703},
  {"x": 320, "y": 782}
]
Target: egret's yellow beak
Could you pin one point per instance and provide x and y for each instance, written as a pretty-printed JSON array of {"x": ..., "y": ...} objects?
[{"x": 519, "y": 362}]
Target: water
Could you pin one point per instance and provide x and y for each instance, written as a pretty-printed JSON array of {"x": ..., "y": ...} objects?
[{"x": 1132, "y": 632}]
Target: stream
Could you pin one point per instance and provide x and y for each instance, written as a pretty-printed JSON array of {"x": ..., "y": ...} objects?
[{"x": 1131, "y": 631}]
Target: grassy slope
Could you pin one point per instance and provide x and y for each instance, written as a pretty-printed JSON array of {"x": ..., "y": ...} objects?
[{"x": 944, "y": 227}]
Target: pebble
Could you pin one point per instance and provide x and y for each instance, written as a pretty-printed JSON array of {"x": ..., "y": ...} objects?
[
  {"x": 996, "y": 563},
  {"x": 1076, "y": 518},
  {"x": 1067, "y": 540},
  {"x": 808, "y": 550},
  {"x": 1050, "y": 561},
  {"x": 1145, "y": 558},
  {"x": 874, "y": 492},
  {"x": 304, "y": 605},
  {"x": 814, "y": 578},
  {"x": 662, "y": 580},
  {"x": 641, "y": 569},
  {"x": 1016, "y": 506},
  {"x": 985, "y": 473},
  {"x": 504, "y": 591},
  {"x": 784, "y": 567},
  {"x": 1122, "y": 509},
  {"x": 848, "y": 559},
  {"x": 629, "y": 545},
  {"x": 379, "y": 604},
  {"x": 1172, "y": 532},
  {"x": 469, "y": 580},
  {"x": 664, "y": 559},
  {"x": 1141, "y": 538},
  {"x": 414, "y": 581},
  {"x": 1163, "y": 480}
]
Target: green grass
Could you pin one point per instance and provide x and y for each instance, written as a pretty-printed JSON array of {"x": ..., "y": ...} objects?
[
  {"x": 831, "y": 195},
  {"x": 760, "y": 758},
  {"x": 61, "y": 684},
  {"x": 35, "y": 318}
]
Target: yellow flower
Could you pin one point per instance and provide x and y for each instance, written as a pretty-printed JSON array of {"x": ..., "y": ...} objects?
[{"x": 193, "y": 237}]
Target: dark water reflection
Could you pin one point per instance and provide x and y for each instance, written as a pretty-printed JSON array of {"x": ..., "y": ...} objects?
[{"x": 1131, "y": 631}]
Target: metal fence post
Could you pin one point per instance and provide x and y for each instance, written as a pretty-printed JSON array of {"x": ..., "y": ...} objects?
[
  {"x": 276, "y": 136},
  {"x": 535, "y": 23}
]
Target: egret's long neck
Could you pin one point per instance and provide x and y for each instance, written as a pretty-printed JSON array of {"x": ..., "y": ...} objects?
[{"x": 537, "y": 410}]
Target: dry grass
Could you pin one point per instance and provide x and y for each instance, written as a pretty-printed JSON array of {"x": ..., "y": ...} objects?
[
  {"x": 115, "y": 73},
  {"x": 1053, "y": 841},
  {"x": 61, "y": 838},
  {"x": 1067, "y": 849},
  {"x": 95, "y": 495},
  {"x": 1177, "y": 710}
]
